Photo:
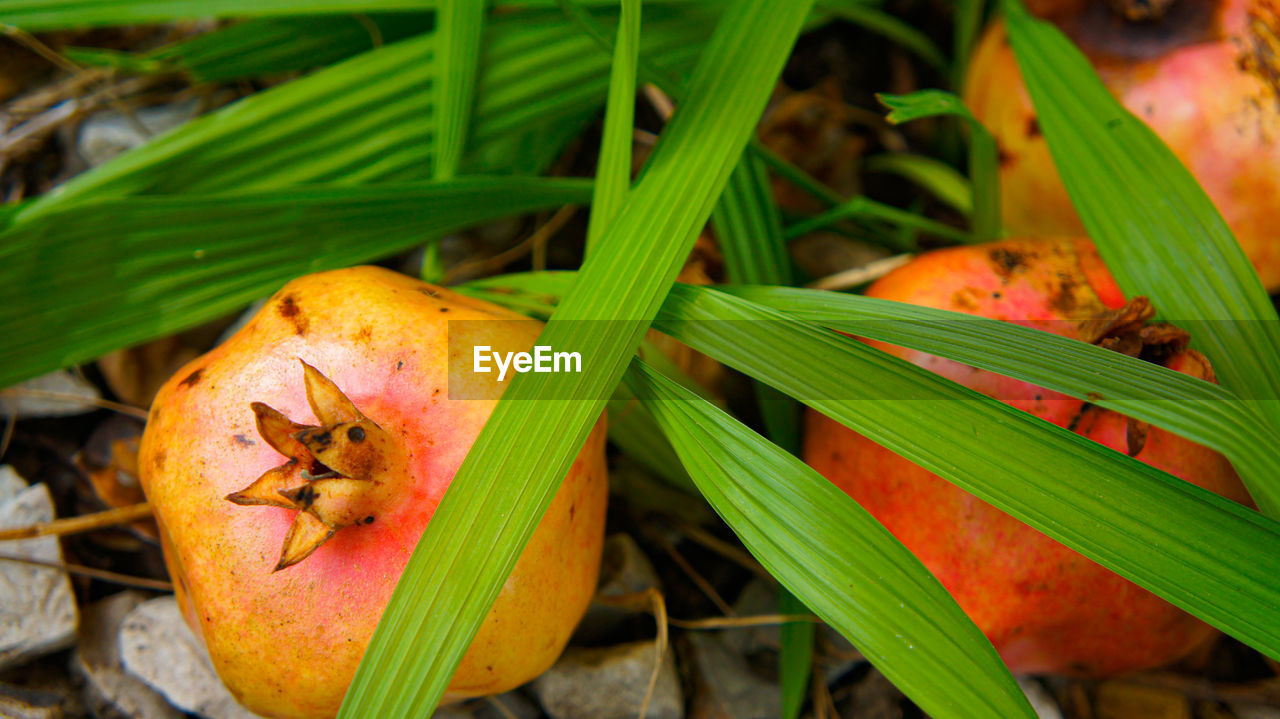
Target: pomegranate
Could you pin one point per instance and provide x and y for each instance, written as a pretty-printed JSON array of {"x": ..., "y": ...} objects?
[
  {"x": 1204, "y": 74},
  {"x": 1043, "y": 606},
  {"x": 294, "y": 467}
]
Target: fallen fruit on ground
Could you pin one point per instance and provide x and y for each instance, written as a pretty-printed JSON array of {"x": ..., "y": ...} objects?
[
  {"x": 294, "y": 467},
  {"x": 1204, "y": 74},
  {"x": 1044, "y": 607}
]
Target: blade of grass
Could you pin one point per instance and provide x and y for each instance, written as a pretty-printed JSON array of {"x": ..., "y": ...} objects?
[
  {"x": 983, "y": 163},
  {"x": 267, "y": 46},
  {"x": 71, "y": 291},
  {"x": 35, "y": 15},
  {"x": 1157, "y": 230},
  {"x": 525, "y": 448},
  {"x": 865, "y": 208},
  {"x": 938, "y": 178},
  {"x": 828, "y": 550},
  {"x": 458, "y": 46},
  {"x": 969, "y": 14},
  {"x": 613, "y": 171},
  {"x": 795, "y": 654},
  {"x": 1201, "y": 552}
]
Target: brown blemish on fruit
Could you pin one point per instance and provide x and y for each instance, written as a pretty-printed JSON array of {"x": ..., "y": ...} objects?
[
  {"x": 192, "y": 379},
  {"x": 444, "y": 309},
  {"x": 1006, "y": 261},
  {"x": 1261, "y": 56},
  {"x": 244, "y": 441},
  {"x": 428, "y": 292},
  {"x": 289, "y": 309},
  {"x": 965, "y": 299},
  {"x": 158, "y": 460},
  {"x": 365, "y": 334},
  {"x": 400, "y": 365},
  {"x": 1033, "y": 127}
]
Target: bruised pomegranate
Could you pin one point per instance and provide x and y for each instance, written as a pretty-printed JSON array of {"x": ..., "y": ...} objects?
[
  {"x": 1044, "y": 607},
  {"x": 1204, "y": 74},
  {"x": 293, "y": 469}
]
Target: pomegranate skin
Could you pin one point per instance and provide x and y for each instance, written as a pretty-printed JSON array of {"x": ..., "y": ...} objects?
[
  {"x": 1044, "y": 607},
  {"x": 1204, "y": 78},
  {"x": 287, "y": 642}
]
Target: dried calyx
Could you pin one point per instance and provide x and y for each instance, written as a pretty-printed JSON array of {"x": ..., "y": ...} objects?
[
  {"x": 1128, "y": 330},
  {"x": 336, "y": 473}
]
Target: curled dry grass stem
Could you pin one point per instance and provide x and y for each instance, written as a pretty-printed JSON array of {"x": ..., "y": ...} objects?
[
  {"x": 651, "y": 600},
  {"x": 495, "y": 264}
]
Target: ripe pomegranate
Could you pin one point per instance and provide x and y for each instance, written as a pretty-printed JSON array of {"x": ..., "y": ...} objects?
[
  {"x": 1204, "y": 74},
  {"x": 293, "y": 469},
  {"x": 1043, "y": 606}
]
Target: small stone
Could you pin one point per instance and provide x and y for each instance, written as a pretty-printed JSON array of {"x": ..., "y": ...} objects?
[
  {"x": 22, "y": 703},
  {"x": 624, "y": 569},
  {"x": 110, "y": 690},
  {"x": 37, "y": 607},
  {"x": 108, "y": 133},
  {"x": 36, "y": 396},
  {"x": 758, "y": 598},
  {"x": 609, "y": 683},
  {"x": 726, "y": 686},
  {"x": 1043, "y": 702},
  {"x": 1117, "y": 700},
  {"x": 159, "y": 648}
]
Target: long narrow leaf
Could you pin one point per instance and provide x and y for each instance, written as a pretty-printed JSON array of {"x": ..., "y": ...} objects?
[
  {"x": 525, "y": 448},
  {"x": 458, "y": 45},
  {"x": 72, "y": 290},
  {"x": 613, "y": 171},
  {"x": 835, "y": 556}
]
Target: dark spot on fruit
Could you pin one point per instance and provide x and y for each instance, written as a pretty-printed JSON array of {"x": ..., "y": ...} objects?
[
  {"x": 996, "y": 295},
  {"x": 400, "y": 365},
  {"x": 368, "y": 519},
  {"x": 1039, "y": 397},
  {"x": 837, "y": 457},
  {"x": 1003, "y": 156},
  {"x": 324, "y": 439},
  {"x": 289, "y": 309},
  {"x": 1006, "y": 261},
  {"x": 428, "y": 292},
  {"x": 366, "y": 334},
  {"x": 355, "y": 434},
  {"x": 444, "y": 309},
  {"x": 435, "y": 391},
  {"x": 192, "y": 379},
  {"x": 573, "y": 509},
  {"x": 160, "y": 456},
  {"x": 1033, "y": 127},
  {"x": 244, "y": 441}
]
